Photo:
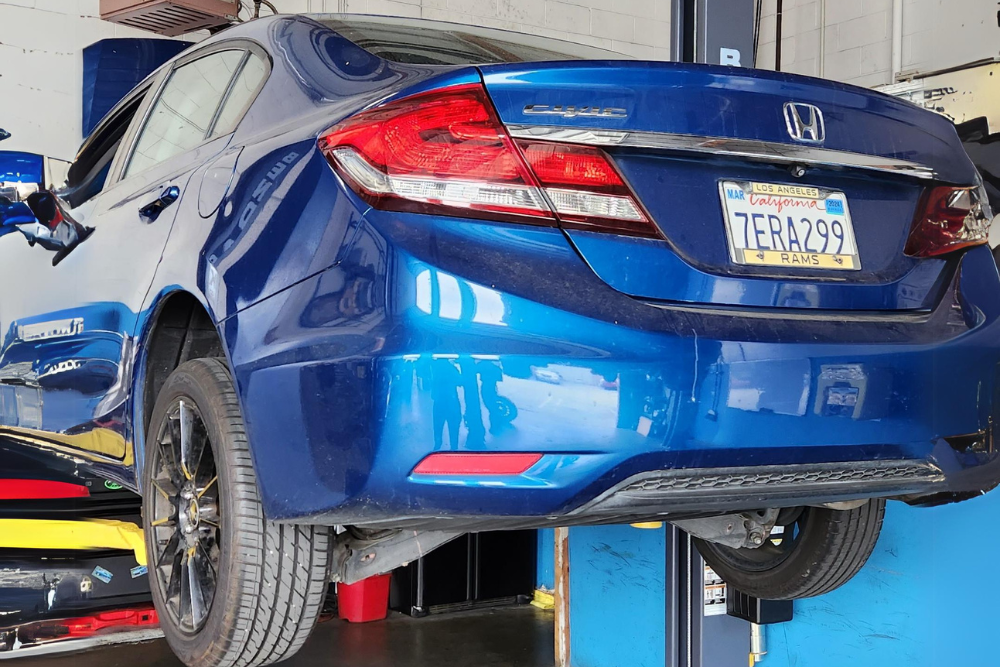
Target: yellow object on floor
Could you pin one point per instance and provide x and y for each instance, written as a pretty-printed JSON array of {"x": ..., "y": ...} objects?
[
  {"x": 648, "y": 525},
  {"x": 86, "y": 534},
  {"x": 544, "y": 600}
]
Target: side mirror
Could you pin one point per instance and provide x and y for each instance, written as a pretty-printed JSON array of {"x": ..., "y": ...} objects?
[
  {"x": 54, "y": 228},
  {"x": 46, "y": 208}
]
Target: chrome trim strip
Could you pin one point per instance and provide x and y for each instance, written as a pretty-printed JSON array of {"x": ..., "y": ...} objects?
[{"x": 764, "y": 151}]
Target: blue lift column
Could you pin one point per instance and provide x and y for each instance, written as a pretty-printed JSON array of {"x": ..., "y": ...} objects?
[
  {"x": 637, "y": 598},
  {"x": 927, "y": 597}
]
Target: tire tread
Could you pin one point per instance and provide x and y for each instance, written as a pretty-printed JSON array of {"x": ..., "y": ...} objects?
[
  {"x": 282, "y": 569},
  {"x": 831, "y": 555}
]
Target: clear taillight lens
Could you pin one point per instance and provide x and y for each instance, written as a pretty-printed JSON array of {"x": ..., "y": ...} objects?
[
  {"x": 948, "y": 219},
  {"x": 445, "y": 150}
]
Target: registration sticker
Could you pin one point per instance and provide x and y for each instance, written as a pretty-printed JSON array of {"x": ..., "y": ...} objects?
[{"x": 792, "y": 226}]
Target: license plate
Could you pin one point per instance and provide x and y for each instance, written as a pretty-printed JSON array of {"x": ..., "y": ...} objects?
[{"x": 791, "y": 226}]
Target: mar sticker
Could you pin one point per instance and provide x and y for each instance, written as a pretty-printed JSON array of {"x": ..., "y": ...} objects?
[
  {"x": 102, "y": 574},
  {"x": 138, "y": 571},
  {"x": 112, "y": 486}
]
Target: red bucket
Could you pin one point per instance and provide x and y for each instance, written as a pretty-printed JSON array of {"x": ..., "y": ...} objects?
[{"x": 367, "y": 600}]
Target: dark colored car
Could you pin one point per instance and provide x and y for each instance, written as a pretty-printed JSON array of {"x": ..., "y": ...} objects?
[{"x": 380, "y": 273}]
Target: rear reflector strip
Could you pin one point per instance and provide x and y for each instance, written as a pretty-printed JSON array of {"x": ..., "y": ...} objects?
[
  {"x": 476, "y": 464},
  {"x": 39, "y": 489}
]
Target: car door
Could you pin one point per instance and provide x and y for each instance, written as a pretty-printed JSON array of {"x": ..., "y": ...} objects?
[{"x": 65, "y": 365}]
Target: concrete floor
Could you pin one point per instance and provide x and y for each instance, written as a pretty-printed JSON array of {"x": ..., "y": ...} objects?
[{"x": 506, "y": 637}]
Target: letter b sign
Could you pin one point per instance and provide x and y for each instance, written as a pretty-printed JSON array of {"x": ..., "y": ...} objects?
[{"x": 729, "y": 57}]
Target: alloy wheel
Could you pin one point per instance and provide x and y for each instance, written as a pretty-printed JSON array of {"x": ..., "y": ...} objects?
[{"x": 186, "y": 520}]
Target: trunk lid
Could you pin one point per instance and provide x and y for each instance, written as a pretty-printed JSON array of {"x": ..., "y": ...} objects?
[{"x": 678, "y": 132}]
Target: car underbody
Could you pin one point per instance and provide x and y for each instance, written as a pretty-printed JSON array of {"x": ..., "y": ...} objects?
[{"x": 685, "y": 499}]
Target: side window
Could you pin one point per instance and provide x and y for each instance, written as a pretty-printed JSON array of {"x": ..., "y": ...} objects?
[
  {"x": 244, "y": 90},
  {"x": 182, "y": 116},
  {"x": 89, "y": 172}
]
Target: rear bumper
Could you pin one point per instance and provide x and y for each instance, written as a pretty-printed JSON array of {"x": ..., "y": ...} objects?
[{"x": 349, "y": 379}]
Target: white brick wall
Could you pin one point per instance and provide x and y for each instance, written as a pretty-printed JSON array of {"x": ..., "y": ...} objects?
[
  {"x": 42, "y": 42},
  {"x": 857, "y": 37},
  {"x": 945, "y": 33},
  {"x": 41, "y": 70},
  {"x": 636, "y": 27}
]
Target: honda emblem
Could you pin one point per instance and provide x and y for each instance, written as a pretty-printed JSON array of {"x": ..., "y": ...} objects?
[{"x": 805, "y": 123}]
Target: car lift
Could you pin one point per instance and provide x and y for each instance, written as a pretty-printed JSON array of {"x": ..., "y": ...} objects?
[
  {"x": 73, "y": 569},
  {"x": 72, "y": 535},
  {"x": 645, "y": 597}
]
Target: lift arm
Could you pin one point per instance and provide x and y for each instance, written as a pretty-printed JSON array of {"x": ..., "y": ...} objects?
[{"x": 58, "y": 534}]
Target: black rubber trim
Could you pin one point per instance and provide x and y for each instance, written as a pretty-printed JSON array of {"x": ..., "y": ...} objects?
[
  {"x": 699, "y": 492},
  {"x": 757, "y": 487}
]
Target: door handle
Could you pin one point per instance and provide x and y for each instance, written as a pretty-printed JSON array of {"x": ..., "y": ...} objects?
[{"x": 152, "y": 210}]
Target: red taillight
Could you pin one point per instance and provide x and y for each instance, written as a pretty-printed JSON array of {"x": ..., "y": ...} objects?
[
  {"x": 431, "y": 151},
  {"x": 40, "y": 489},
  {"x": 444, "y": 150},
  {"x": 949, "y": 218},
  {"x": 571, "y": 166},
  {"x": 460, "y": 463},
  {"x": 585, "y": 189}
]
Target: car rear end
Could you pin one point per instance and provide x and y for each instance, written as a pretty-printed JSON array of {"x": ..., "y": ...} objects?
[{"x": 622, "y": 289}]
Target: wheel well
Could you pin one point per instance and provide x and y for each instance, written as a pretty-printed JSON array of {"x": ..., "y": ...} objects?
[{"x": 183, "y": 330}]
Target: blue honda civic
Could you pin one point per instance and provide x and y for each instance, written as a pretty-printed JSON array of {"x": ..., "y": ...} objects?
[{"x": 414, "y": 279}]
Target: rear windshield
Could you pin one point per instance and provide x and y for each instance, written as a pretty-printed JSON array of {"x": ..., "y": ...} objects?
[{"x": 420, "y": 42}]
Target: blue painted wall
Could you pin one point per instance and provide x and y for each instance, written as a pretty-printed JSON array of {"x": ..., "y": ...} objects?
[
  {"x": 928, "y": 597},
  {"x": 113, "y": 67},
  {"x": 617, "y": 596},
  {"x": 546, "y": 559}
]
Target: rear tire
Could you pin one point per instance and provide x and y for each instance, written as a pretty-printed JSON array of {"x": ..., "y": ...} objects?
[
  {"x": 257, "y": 587},
  {"x": 826, "y": 549}
]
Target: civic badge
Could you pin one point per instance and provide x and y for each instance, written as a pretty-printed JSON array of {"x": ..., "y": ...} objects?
[
  {"x": 805, "y": 123},
  {"x": 572, "y": 111}
]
